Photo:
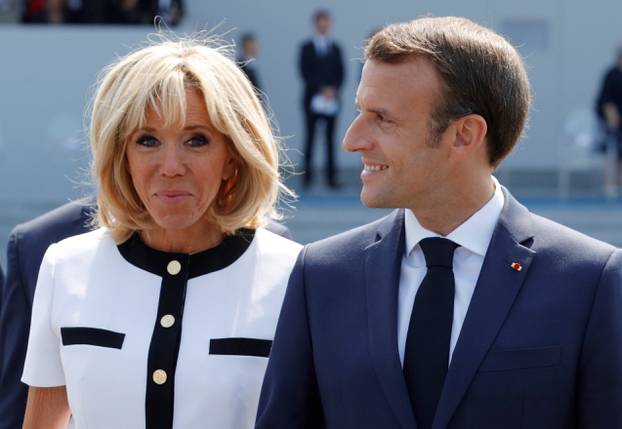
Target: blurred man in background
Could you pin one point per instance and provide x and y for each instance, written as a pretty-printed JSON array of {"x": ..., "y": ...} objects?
[
  {"x": 247, "y": 58},
  {"x": 609, "y": 110},
  {"x": 322, "y": 70}
]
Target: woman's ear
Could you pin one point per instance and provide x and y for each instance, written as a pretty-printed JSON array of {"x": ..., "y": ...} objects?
[{"x": 230, "y": 169}]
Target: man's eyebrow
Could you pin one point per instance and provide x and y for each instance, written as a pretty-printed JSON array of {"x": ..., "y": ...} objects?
[{"x": 376, "y": 110}]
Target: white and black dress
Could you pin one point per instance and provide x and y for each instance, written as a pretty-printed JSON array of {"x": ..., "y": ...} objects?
[{"x": 149, "y": 339}]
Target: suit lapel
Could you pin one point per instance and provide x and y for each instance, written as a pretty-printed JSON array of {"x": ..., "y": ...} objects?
[
  {"x": 382, "y": 273},
  {"x": 496, "y": 289}
]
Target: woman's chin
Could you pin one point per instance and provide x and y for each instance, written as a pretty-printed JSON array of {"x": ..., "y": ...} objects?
[{"x": 177, "y": 223}]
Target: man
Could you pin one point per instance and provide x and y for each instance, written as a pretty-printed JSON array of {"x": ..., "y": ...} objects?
[
  {"x": 27, "y": 245},
  {"x": 461, "y": 309},
  {"x": 246, "y": 59},
  {"x": 321, "y": 67},
  {"x": 609, "y": 110}
]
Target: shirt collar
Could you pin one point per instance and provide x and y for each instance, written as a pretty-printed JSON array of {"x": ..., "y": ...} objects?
[
  {"x": 473, "y": 234},
  {"x": 321, "y": 42}
]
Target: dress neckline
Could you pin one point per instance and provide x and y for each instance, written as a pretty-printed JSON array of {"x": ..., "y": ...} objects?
[{"x": 136, "y": 252}]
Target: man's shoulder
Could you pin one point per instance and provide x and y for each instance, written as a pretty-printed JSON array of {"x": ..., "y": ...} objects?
[
  {"x": 69, "y": 219},
  {"x": 307, "y": 45},
  {"x": 554, "y": 238}
]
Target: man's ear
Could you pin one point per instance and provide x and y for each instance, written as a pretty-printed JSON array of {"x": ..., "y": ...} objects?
[{"x": 470, "y": 134}]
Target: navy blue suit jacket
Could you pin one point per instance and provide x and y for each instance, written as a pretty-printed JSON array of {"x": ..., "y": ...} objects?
[
  {"x": 540, "y": 348},
  {"x": 27, "y": 244}
]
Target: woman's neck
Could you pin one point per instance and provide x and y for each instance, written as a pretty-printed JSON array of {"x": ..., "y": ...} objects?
[{"x": 190, "y": 240}]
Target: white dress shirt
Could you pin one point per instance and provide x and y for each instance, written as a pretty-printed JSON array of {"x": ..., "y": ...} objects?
[
  {"x": 473, "y": 236},
  {"x": 321, "y": 44}
]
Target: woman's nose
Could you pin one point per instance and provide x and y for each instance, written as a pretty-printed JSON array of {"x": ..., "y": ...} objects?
[{"x": 173, "y": 161}]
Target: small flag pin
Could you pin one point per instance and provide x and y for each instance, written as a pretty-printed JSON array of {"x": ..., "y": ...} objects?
[{"x": 516, "y": 266}]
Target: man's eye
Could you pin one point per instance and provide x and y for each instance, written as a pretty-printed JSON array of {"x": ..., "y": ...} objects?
[
  {"x": 148, "y": 141},
  {"x": 197, "y": 141}
]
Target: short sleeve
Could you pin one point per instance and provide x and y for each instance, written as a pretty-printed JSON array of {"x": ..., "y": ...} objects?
[{"x": 43, "y": 367}]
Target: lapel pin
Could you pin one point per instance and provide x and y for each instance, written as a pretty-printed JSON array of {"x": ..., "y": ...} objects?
[{"x": 516, "y": 266}]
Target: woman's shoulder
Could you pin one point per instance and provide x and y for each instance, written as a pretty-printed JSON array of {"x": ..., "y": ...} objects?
[
  {"x": 82, "y": 245},
  {"x": 271, "y": 242}
]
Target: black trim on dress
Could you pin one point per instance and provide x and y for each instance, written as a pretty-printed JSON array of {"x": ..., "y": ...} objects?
[
  {"x": 137, "y": 253},
  {"x": 175, "y": 269},
  {"x": 240, "y": 347},
  {"x": 91, "y": 336}
]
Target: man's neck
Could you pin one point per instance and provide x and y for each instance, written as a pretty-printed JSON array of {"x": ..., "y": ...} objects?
[{"x": 453, "y": 207}]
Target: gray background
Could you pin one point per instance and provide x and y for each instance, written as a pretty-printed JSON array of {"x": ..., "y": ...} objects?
[{"x": 48, "y": 76}]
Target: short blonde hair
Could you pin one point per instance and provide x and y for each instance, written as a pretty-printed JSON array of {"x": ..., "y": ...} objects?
[{"x": 156, "y": 77}]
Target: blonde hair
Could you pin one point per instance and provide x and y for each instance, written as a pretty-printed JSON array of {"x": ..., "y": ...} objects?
[{"x": 156, "y": 77}]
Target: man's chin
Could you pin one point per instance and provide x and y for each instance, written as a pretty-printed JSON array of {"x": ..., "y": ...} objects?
[{"x": 372, "y": 201}]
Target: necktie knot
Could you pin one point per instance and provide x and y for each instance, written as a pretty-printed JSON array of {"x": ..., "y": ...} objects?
[{"x": 438, "y": 252}]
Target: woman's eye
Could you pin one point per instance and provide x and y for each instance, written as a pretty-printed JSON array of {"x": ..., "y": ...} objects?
[
  {"x": 197, "y": 141},
  {"x": 147, "y": 141}
]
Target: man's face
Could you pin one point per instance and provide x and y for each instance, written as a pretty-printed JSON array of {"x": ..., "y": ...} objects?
[
  {"x": 404, "y": 164},
  {"x": 322, "y": 25},
  {"x": 250, "y": 48}
]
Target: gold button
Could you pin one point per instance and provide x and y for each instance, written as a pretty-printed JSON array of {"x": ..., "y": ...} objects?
[
  {"x": 159, "y": 376},
  {"x": 167, "y": 321},
  {"x": 173, "y": 267}
]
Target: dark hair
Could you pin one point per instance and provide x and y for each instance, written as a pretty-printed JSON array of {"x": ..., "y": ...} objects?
[
  {"x": 321, "y": 14},
  {"x": 246, "y": 37},
  {"x": 481, "y": 72}
]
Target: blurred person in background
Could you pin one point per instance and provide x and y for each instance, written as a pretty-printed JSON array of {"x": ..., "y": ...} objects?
[
  {"x": 10, "y": 10},
  {"x": 170, "y": 11},
  {"x": 322, "y": 70},
  {"x": 187, "y": 172},
  {"x": 609, "y": 110},
  {"x": 247, "y": 58},
  {"x": 136, "y": 12},
  {"x": 44, "y": 12}
]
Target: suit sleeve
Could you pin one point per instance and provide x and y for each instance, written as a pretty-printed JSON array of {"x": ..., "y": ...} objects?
[
  {"x": 289, "y": 395},
  {"x": 43, "y": 367},
  {"x": 14, "y": 325},
  {"x": 599, "y": 395}
]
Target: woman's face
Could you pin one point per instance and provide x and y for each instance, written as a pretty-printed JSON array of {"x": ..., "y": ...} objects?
[{"x": 176, "y": 171}]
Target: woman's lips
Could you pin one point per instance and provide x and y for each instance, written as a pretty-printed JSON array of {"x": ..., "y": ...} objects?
[{"x": 172, "y": 195}]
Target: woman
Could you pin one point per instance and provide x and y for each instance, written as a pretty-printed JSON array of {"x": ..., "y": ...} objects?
[{"x": 163, "y": 317}]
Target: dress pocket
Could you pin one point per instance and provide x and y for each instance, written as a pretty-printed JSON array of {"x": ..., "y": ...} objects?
[
  {"x": 523, "y": 358},
  {"x": 91, "y": 336},
  {"x": 240, "y": 347}
]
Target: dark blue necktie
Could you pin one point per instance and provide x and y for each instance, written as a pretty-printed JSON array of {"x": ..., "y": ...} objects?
[{"x": 426, "y": 357}]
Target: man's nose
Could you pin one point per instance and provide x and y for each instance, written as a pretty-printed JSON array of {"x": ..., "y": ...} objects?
[{"x": 357, "y": 137}]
